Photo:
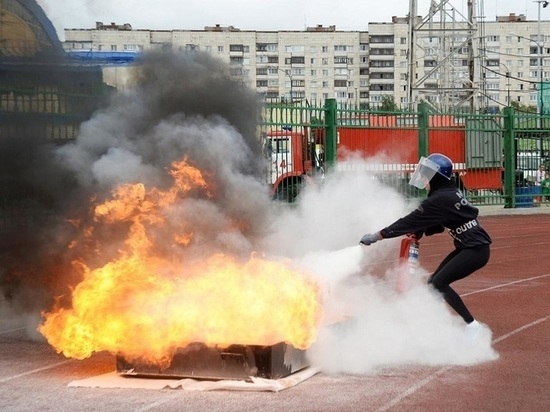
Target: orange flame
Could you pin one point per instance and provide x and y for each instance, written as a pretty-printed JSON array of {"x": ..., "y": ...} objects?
[{"x": 144, "y": 306}]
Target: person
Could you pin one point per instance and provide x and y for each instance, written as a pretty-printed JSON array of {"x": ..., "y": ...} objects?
[
  {"x": 444, "y": 207},
  {"x": 545, "y": 187},
  {"x": 541, "y": 173},
  {"x": 539, "y": 177}
]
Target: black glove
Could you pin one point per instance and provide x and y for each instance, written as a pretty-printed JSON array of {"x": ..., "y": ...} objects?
[{"x": 370, "y": 238}]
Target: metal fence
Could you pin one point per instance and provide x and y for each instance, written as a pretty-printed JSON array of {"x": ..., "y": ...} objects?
[{"x": 495, "y": 156}]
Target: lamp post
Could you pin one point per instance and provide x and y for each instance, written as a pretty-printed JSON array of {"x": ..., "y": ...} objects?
[
  {"x": 509, "y": 102},
  {"x": 286, "y": 72},
  {"x": 540, "y": 110}
]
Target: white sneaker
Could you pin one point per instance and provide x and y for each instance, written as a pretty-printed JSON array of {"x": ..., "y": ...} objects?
[{"x": 473, "y": 330}]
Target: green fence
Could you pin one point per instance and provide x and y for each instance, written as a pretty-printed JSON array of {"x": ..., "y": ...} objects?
[{"x": 495, "y": 156}]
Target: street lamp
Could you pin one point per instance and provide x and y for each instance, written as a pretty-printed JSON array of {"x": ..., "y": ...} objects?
[
  {"x": 286, "y": 72},
  {"x": 539, "y": 51},
  {"x": 507, "y": 82}
]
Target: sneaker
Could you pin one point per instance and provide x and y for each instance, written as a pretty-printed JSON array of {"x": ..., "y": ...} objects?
[{"x": 473, "y": 330}]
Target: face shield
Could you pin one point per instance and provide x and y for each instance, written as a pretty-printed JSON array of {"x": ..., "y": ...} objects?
[{"x": 425, "y": 170}]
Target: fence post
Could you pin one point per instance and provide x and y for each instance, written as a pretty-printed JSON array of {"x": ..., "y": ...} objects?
[
  {"x": 509, "y": 158},
  {"x": 423, "y": 114},
  {"x": 331, "y": 136}
]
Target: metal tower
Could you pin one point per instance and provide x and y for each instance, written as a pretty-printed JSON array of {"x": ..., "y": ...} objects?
[{"x": 444, "y": 68}]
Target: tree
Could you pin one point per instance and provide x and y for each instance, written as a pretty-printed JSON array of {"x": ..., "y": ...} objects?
[
  {"x": 388, "y": 104},
  {"x": 523, "y": 108}
]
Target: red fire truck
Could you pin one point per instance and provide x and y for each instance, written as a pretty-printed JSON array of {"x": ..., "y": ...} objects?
[{"x": 297, "y": 156}]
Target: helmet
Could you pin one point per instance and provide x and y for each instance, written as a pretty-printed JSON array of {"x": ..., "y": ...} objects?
[
  {"x": 445, "y": 164},
  {"x": 428, "y": 167}
]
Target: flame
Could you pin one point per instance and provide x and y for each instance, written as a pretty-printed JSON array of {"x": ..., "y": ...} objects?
[{"x": 144, "y": 305}]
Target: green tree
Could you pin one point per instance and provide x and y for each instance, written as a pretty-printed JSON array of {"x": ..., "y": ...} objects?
[
  {"x": 523, "y": 108},
  {"x": 388, "y": 104}
]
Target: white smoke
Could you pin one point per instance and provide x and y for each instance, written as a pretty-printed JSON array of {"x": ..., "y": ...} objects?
[{"x": 368, "y": 324}]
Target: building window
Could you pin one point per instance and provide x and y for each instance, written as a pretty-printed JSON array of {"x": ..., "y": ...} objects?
[
  {"x": 381, "y": 39},
  {"x": 295, "y": 60},
  {"x": 383, "y": 52},
  {"x": 113, "y": 47},
  {"x": 382, "y": 87},
  {"x": 381, "y": 63},
  {"x": 266, "y": 47},
  {"x": 295, "y": 48},
  {"x": 236, "y": 60},
  {"x": 343, "y": 48},
  {"x": 220, "y": 49},
  {"x": 343, "y": 60},
  {"x": 192, "y": 47}
]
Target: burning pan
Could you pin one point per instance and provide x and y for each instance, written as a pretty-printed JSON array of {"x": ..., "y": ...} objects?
[{"x": 239, "y": 362}]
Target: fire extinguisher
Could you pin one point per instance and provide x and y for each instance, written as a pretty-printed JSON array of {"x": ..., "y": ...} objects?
[{"x": 408, "y": 261}]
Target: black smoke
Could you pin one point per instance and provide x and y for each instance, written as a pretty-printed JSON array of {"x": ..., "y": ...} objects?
[{"x": 182, "y": 106}]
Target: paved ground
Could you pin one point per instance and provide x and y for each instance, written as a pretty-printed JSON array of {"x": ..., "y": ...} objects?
[{"x": 511, "y": 294}]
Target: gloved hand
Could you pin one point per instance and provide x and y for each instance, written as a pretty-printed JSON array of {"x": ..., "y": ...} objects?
[{"x": 370, "y": 238}]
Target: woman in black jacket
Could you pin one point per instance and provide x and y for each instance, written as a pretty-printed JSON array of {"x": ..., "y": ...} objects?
[{"x": 445, "y": 207}]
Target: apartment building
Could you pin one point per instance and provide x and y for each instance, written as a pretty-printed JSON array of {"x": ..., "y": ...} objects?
[
  {"x": 315, "y": 64},
  {"x": 505, "y": 61},
  {"x": 361, "y": 67}
]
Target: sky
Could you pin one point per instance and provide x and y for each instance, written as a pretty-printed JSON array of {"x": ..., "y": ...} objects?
[{"x": 254, "y": 14}]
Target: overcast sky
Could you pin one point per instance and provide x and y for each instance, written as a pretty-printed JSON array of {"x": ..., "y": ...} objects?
[{"x": 255, "y": 14}]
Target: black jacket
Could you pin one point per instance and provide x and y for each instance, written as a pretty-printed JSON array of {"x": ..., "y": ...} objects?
[{"x": 445, "y": 207}]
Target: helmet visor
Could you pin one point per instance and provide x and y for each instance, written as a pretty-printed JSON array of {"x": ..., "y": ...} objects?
[{"x": 425, "y": 170}]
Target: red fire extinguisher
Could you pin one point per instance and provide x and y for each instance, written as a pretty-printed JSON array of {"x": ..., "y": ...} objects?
[{"x": 408, "y": 261}]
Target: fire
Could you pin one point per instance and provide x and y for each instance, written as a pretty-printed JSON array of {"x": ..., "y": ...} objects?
[{"x": 144, "y": 304}]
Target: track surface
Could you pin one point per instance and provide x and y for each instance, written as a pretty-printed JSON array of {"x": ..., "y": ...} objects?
[{"x": 511, "y": 294}]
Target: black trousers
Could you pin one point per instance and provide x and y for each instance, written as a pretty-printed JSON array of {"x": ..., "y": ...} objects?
[{"x": 457, "y": 265}]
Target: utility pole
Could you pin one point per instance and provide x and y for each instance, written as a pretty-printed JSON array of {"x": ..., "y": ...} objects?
[{"x": 411, "y": 74}]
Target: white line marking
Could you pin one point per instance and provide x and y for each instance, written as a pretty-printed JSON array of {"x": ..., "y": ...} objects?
[
  {"x": 504, "y": 284},
  {"x": 413, "y": 389},
  {"x": 520, "y": 329},
  {"x": 157, "y": 403},
  {"x": 419, "y": 385},
  {"x": 55, "y": 365},
  {"x": 12, "y": 330}
]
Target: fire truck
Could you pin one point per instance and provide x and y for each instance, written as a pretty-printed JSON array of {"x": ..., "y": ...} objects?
[
  {"x": 296, "y": 158},
  {"x": 296, "y": 155}
]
